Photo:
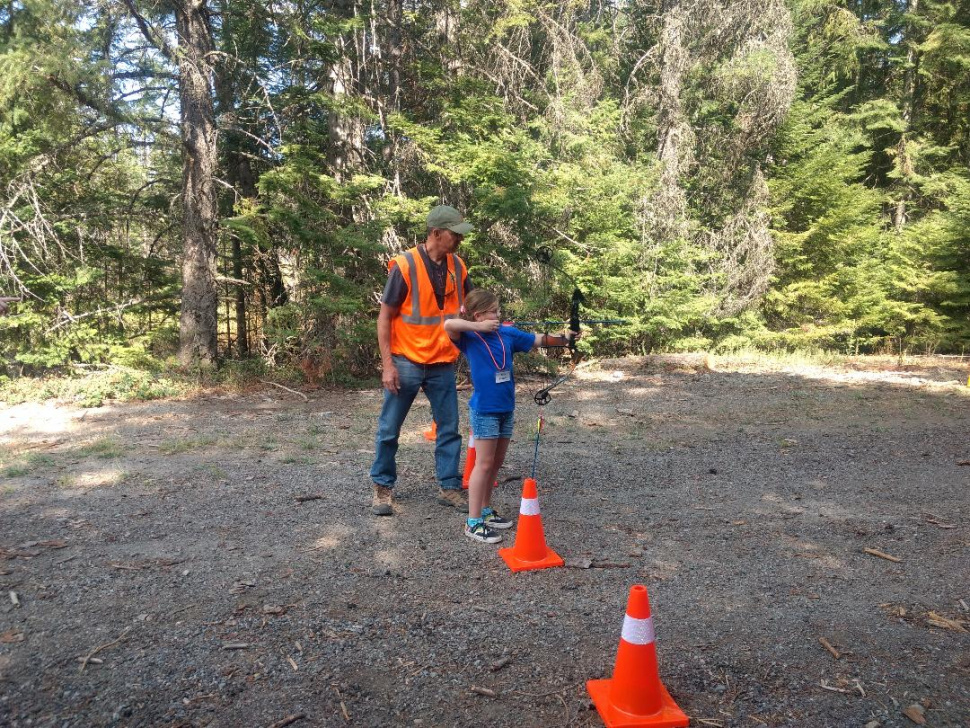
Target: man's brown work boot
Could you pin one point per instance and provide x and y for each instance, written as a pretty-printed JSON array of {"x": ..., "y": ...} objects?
[
  {"x": 454, "y": 498},
  {"x": 383, "y": 504}
]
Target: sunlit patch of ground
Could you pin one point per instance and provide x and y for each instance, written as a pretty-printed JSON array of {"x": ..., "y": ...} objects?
[
  {"x": 100, "y": 478},
  {"x": 37, "y": 420}
]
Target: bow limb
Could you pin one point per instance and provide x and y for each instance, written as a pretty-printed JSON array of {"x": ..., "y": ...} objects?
[{"x": 542, "y": 397}]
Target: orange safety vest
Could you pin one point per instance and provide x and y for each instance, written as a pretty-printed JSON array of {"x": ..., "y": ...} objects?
[{"x": 418, "y": 332}]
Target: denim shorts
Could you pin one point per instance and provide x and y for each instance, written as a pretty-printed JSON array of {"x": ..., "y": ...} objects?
[{"x": 491, "y": 425}]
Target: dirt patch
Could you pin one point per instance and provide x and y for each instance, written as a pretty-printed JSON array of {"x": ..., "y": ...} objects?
[{"x": 161, "y": 565}]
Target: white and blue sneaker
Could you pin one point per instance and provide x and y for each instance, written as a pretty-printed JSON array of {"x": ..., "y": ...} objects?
[
  {"x": 494, "y": 521},
  {"x": 478, "y": 531}
]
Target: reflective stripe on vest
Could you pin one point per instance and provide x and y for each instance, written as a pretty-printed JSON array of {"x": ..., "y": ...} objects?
[
  {"x": 415, "y": 316},
  {"x": 637, "y": 631}
]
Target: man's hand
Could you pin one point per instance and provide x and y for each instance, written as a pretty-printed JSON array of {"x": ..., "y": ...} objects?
[{"x": 390, "y": 378}]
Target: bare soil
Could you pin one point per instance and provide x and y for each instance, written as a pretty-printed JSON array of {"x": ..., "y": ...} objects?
[{"x": 160, "y": 565}]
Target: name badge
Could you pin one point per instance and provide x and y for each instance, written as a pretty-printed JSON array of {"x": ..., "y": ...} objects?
[{"x": 503, "y": 375}]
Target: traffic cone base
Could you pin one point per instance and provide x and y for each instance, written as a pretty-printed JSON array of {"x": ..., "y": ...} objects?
[
  {"x": 669, "y": 715},
  {"x": 550, "y": 560},
  {"x": 530, "y": 550}
]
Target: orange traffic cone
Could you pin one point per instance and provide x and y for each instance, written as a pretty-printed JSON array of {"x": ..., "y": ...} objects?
[
  {"x": 634, "y": 697},
  {"x": 431, "y": 434},
  {"x": 469, "y": 460},
  {"x": 530, "y": 550}
]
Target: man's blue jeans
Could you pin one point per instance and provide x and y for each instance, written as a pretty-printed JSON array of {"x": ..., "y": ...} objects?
[{"x": 438, "y": 383}]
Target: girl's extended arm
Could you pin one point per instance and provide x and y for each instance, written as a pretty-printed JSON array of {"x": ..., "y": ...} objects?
[
  {"x": 454, "y": 327},
  {"x": 549, "y": 340}
]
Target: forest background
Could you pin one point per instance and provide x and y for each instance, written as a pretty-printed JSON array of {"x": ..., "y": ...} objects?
[{"x": 223, "y": 182}]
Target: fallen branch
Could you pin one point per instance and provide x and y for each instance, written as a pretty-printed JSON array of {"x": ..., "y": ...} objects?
[
  {"x": 827, "y": 645},
  {"x": 833, "y": 689},
  {"x": 881, "y": 555},
  {"x": 938, "y": 521},
  {"x": 938, "y": 620},
  {"x": 96, "y": 650},
  {"x": 343, "y": 707},
  {"x": 292, "y": 391},
  {"x": 482, "y": 691},
  {"x": 124, "y": 567},
  {"x": 288, "y": 720},
  {"x": 305, "y": 498}
]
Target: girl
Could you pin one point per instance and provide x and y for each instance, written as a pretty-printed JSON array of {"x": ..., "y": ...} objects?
[{"x": 489, "y": 347}]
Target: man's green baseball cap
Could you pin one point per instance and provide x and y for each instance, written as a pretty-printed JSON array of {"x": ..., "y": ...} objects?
[{"x": 448, "y": 218}]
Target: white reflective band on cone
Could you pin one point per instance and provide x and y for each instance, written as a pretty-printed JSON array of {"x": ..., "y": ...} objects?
[
  {"x": 529, "y": 507},
  {"x": 471, "y": 440},
  {"x": 637, "y": 631}
]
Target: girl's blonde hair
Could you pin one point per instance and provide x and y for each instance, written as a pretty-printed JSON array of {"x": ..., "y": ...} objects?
[{"x": 479, "y": 301}]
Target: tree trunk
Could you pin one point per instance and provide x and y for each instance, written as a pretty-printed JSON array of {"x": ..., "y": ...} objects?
[
  {"x": 674, "y": 136},
  {"x": 198, "y": 323},
  {"x": 345, "y": 127},
  {"x": 904, "y": 164}
]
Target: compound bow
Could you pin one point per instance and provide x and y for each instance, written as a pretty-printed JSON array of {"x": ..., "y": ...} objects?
[{"x": 544, "y": 255}]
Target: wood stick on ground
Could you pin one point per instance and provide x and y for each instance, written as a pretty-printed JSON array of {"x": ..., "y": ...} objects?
[
  {"x": 124, "y": 567},
  {"x": 288, "y": 720},
  {"x": 833, "y": 689},
  {"x": 305, "y": 498},
  {"x": 882, "y": 555},
  {"x": 96, "y": 650},
  {"x": 182, "y": 609},
  {"x": 938, "y": 521},
  {"x": 482, "y": 691},
  {"x": 305, "y": 398},
  {"x": 827, "y": 645},
  {"x": 343, "y": 706}
]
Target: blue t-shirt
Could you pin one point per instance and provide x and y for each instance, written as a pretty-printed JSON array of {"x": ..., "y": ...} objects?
[{"x": 485, "y": 357}]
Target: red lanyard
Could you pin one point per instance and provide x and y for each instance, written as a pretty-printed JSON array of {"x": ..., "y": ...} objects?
[{"x": 489, "y": 350}]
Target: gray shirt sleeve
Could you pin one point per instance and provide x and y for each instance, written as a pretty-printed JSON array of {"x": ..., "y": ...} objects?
[{"x": 395, "y": 290}]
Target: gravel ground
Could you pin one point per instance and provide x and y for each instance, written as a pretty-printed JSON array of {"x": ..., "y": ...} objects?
[{"x": 166, "y": 543}]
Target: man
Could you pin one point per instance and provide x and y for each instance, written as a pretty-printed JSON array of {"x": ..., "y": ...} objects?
[{"x": 426, "y": 285}]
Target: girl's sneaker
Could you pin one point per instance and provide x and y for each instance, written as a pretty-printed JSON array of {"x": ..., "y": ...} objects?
[
  {"x": 495, "y": 521},
  {"x": 481, "y": 532}
]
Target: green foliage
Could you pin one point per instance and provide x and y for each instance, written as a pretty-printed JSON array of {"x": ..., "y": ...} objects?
[
  {"x": 91, "y": 390},
  {"x": 539, "y": 120}
]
